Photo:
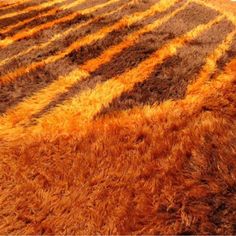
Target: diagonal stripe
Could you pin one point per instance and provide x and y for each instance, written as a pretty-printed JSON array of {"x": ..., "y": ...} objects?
[
  {"x": 31, "y": 8},
  {"x": 211, "y": 63},
  {"x": 30, "y": 32},
  {"x": 60, "y": 35},
  {"x": 23, "y": 22},
  {"x": 161, "y": 6},
  {"x": 90, "y": 102}
]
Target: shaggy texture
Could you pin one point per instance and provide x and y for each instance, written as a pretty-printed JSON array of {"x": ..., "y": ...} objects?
[{"x": 117, "y": 117}]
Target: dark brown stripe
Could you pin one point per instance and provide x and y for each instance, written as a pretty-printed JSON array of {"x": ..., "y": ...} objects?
[
  {"x": 77, "y": 19},
  {"x": 45, "y": 35},
  {"x": 132, "y": 56},
  {"x": 28, "y": 84},
  {"x": 170, "y": 80},
  {"x": 59, "y": 14}
]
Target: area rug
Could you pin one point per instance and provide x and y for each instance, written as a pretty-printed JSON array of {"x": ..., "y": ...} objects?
[{"x": 117, "y": 117}]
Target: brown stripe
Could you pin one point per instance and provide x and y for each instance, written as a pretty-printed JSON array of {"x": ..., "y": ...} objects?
[
  {"x": 13, "y": 93},
  {"x": 132, "y": 56},
  {"x": 19, "y": 46},
  {"x": 170, "y": 80},
  {"x": 42, "y": 20},
  {"x": 47, "y": 26}
]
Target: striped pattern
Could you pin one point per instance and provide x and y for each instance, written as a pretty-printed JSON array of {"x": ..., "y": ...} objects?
[
  {"x": 69, "y": 66},
  {"x": 157, "y": 15}
]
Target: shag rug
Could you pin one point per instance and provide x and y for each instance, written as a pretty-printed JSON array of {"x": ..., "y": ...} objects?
[{"x": 117, "y": 117}]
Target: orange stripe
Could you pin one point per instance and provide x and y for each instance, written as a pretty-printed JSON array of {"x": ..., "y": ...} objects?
[
  {"x": 60, "y": 35},
  {"x": 161, "y": 6},
  {"x": 21, "y": 113},
  {"x": 2, "y": 5}
]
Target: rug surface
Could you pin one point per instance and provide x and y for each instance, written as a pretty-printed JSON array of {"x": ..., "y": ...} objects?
[{"x": 117, "y": 117}]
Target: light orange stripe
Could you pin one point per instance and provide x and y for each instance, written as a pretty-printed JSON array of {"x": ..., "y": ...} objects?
[
  {"x": 83, "y": 107},
  {"x": 23, "y": 22},
  {"x": 161, "y": 6},
  {"x": 31, "y": 31},
  {"x": 31, "y": 8},
  {"x": 60, "y": 35},
  {"x": 211, "y": 64}
]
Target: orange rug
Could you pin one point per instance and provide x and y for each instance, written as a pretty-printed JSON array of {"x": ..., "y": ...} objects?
[{"x": 117, "y": 117}]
